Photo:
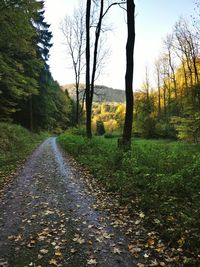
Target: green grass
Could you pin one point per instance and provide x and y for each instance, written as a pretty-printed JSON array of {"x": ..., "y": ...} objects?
[
  {"x": 16, "y": 143},
  {"x": 163, "y": 175}
]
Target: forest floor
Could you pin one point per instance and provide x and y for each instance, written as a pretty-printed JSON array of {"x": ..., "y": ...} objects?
[{"x": 55, "y": 214}]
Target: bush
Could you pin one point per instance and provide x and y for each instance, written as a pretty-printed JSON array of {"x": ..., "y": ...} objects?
[
  {"x": 100, "y": 130},
  {"x": 80, "y": 130},
  {"x": 165, "y": 130}
]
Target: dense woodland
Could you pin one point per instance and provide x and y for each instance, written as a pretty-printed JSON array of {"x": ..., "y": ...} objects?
[{"x": 28, "y": 94}]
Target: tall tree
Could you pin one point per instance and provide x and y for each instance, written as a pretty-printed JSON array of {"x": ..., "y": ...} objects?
[
  {"x": 28, "y": 93},
  {"x": 73, "y": 29},
  {"x": 158, "y": 79},
  {"x": 91, "y": 71},
  {"x": 87, "y": 83},
  {"x": 127, "y": 131},
  {"x": 168, "y": 42},
  {"x": 19, "y": 65}
]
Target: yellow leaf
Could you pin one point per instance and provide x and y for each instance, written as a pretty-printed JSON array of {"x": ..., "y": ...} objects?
[
  {"x": 58, "y": 253},
  {"x": 53, "y": 262},
  {"x": 150, "y": 242},
  {"x": 181, "y": 241}
]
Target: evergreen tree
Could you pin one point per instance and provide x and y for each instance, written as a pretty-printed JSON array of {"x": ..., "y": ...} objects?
[{"x": 19, "y": 66}]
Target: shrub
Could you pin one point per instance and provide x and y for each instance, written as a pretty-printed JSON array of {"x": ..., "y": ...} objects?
[{"x": 100, "y": 130}]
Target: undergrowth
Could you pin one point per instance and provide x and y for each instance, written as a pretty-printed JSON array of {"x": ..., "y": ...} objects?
[
  {"x": 163, "y": 175},
  {"x": 16, "y": 143}
]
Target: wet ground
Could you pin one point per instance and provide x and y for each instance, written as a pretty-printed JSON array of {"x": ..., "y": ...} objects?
[{"x": 50, "y": 216}]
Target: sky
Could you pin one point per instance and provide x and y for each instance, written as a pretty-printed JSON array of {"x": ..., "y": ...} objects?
[{"x": 154, "y": 20}]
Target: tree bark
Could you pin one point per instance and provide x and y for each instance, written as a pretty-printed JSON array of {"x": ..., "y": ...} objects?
[
  {"x": 31, "y": 113},
  {"x": 88, "y": 99},
  {"x": 127, "y": 131},
  {"x": 97, "y": 35},
  {"x": 159, "y": 89}
]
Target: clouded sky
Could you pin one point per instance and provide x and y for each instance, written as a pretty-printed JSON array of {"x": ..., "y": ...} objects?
[{"x": 154, "y": 19}]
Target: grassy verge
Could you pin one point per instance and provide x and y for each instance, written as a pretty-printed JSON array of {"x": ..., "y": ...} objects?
[
  {"x": 16, "y": 143},
  {"x": 163, "y": 175}
]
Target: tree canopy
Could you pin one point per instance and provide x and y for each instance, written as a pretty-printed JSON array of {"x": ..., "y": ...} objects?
[{"x": 24, "y": 74}]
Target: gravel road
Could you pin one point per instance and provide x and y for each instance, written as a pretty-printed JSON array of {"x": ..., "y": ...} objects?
[{"x": 49, "y": 218}]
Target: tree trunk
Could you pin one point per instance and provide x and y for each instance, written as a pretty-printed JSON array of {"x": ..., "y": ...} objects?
[
  {"x": 88, "y": 99},
  {"x": 159, "y": 90},
  {"x": 97, "y": 35},
  {"x": 127, "y": 132},
  {"x": 173, "y": 74},
  {"x": 164, "y": 98},
  {"x": 77, "y": 104},
  {"x": 31, "y": 113}
]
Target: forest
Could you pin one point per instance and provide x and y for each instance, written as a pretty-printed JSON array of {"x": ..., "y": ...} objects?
[
  {"x": 138, "y": 147},
  {"x": 29, "y": 95}
]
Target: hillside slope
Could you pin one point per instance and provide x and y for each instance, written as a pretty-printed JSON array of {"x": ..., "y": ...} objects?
[
  {"x": 16, "y": 143},
  {"x": 102, "y": 93}
]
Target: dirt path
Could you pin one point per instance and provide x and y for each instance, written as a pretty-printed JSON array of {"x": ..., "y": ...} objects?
[{"x": 48, "y": 218}]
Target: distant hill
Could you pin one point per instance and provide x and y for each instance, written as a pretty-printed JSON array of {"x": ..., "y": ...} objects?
[{"x": 102, "y": 93}]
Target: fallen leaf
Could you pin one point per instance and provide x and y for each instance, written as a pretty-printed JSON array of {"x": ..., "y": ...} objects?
[
  {"x": 181, "y": 241},
  {"x": 150, "y": 242},
  {"x": 58, "y": 253},
  {"x": 73, "y": 250},
  {"x": 146, "y": 255},
  {"x": 137, "y": 222},
  {"x": 162, "y": 264},
  {"x": 43, "y": 251},
  {"x": 154, "y": 263},
  {"x": 53, "y": 262},
  {"x": 40, "y": 257},
  {"x": 91, "y": 262},
  {"x": 116, "y": 250},
  {"x": 78, "y": 239},
  {"x": 142, "y": 215},
  {"x": 106, "y": 235},
  {"x": 157, "y": 221},
  {"x": 49, "y": 212}
]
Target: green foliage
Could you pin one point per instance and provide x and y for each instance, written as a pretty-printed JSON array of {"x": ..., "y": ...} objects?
[
  {"x": 163, "y": 175},
  {"x": 15, "y": 144},
  {"x": 19, "y": 64},
  {"x": 188, "y": 128},
  {"x": 110, "y": 114},
  {"x": 51, "y": 107},
  {"x": 29, "y": 95},
  {"x": 165, "y": 130},
  {"x": 80, "y": 130},
  {"x": 112, "y": 135}
]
